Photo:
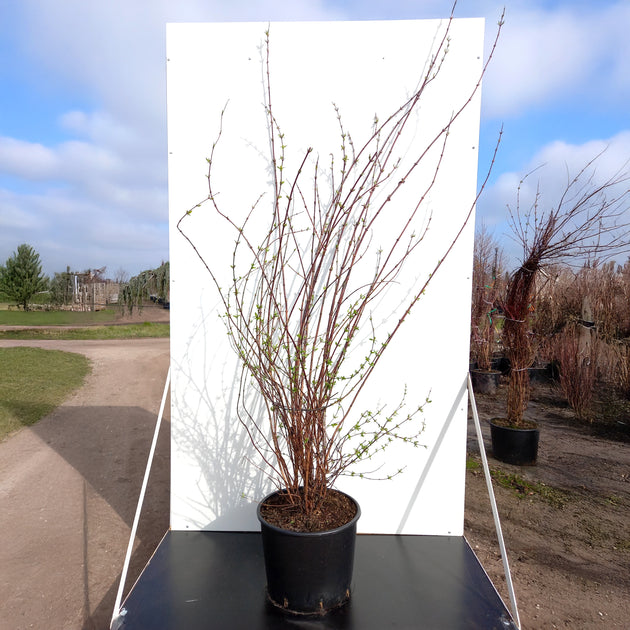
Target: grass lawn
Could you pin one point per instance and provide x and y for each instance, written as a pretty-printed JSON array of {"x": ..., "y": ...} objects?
[
  {"x": 33, "y": 382},
  {"x": 53, "y": 318},
  {"x": 125, "y": 331}
]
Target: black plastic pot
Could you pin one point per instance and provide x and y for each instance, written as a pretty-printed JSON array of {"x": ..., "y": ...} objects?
[
  {"x": 502, "y": 364},
  {"x": 544, "y": 375},
  {"x": 514, "y": 446},
  {"x": 308, "y": 572},
  {"x": 485, "y": 381}
]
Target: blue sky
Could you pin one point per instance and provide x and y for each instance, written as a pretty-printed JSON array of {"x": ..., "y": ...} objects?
[{"x": 83, "y": 117}]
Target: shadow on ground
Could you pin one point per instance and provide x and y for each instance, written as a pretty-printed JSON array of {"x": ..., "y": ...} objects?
[{"x": 109, "y": 447}]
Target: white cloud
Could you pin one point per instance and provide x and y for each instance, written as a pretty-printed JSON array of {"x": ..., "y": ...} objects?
[
  {"x": 14, "y": 219},
  {"x": 538, "y": 55},
  {"x": 70, "y": 160},
  {"x": 127, "y": 175},
  {"x": 93, "y": 202},
  {"x": 552, "y": 168},
  {"x": 551, "y": 56},
  {"x": 117, "y": 48},
  {"x": 100, "y": 127},
  {"x": 104, "y": 191},
  {"x": 108, "y": 177},
  {"x": 29, "y": 160},
  {"x": 67, "y": 229}
]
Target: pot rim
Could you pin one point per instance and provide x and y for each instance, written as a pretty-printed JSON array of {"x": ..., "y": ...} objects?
[
  {"x": 504, "y": 426},
  {"x": 326, "y": 532}
]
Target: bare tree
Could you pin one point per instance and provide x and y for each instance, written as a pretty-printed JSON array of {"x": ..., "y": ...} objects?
[
  {"x": 589, "y": 221},
  {"x": 121, "y": 276}
]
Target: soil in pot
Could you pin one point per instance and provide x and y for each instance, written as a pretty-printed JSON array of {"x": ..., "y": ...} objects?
[
  {"x": 336, "y": 510},
  {"x": 308, "y": 573},
  {"x": 512, "y": 445}
]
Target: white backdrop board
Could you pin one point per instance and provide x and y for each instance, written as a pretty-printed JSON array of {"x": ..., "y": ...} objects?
[{"x": 366, "y": 69}]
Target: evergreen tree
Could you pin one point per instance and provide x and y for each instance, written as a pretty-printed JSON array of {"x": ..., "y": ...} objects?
[
  {"x": 21, "y": 277},
  {"x": 61, "y": 288}
]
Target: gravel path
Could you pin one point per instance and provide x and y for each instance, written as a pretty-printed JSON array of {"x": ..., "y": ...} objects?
[{"x": 69, "y": 488}]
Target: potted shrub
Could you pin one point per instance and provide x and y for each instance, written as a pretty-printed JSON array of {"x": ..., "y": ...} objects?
[
  {"x": 484, "y": 313},
  {"x": 576, "y": 351},
  {"x": 298, "y": 313},
  {"x": 585, "y": 222}
]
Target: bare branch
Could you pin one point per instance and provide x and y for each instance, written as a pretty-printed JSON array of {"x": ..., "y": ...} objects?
[{"x": 294, "y": 312}]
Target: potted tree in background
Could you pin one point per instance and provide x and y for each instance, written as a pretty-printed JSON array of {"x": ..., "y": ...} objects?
[
  {"x": 587, "y": 221},
  {"x": 298, "y": 313},
  {"x": 487, "y": 263}
]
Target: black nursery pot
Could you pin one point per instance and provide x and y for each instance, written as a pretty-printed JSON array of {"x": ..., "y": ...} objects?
[
  {"x": 485, "y": 381},
  {"x": 514, "y": 446},
  {"x": 308, "y": 572}
]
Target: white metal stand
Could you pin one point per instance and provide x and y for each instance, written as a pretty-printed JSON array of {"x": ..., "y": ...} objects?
[
  {"x": 493, "y": 503},
  {"x": 117, "y": 612}
]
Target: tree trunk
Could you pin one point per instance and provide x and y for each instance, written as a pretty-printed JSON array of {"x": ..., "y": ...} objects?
[{"x": 518, "y": 395}]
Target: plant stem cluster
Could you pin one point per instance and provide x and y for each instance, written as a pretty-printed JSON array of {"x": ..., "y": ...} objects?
[
  {"x": 587, "y": 223},
  {"x": 298, "y": 308}
]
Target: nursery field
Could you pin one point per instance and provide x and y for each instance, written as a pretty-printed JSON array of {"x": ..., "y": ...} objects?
[
  {"x": 12, "y": 316},
  {"x": 566, "y": 520},
  {"x": 150, "y": 321},
  {"x": 15, "y": 317},
  {"x": 82, "y": 333},
  {"x": 69, "y": 484}
]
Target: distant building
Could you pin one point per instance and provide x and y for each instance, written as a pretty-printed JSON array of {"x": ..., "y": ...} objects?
[{"x": 92, "y": 292}]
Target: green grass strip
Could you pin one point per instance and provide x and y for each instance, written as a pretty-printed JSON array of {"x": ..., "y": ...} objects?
[
  {"x": 33, "y": 382},
  {"x": 126, "y": 331},
  {"x": 54, "y": 318},
  {"x": 523, "y": 488}
]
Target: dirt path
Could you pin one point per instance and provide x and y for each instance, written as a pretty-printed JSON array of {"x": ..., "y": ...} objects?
[
  {"x": 569, "y": 552},
  {"x": 69, "y": 488}
]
